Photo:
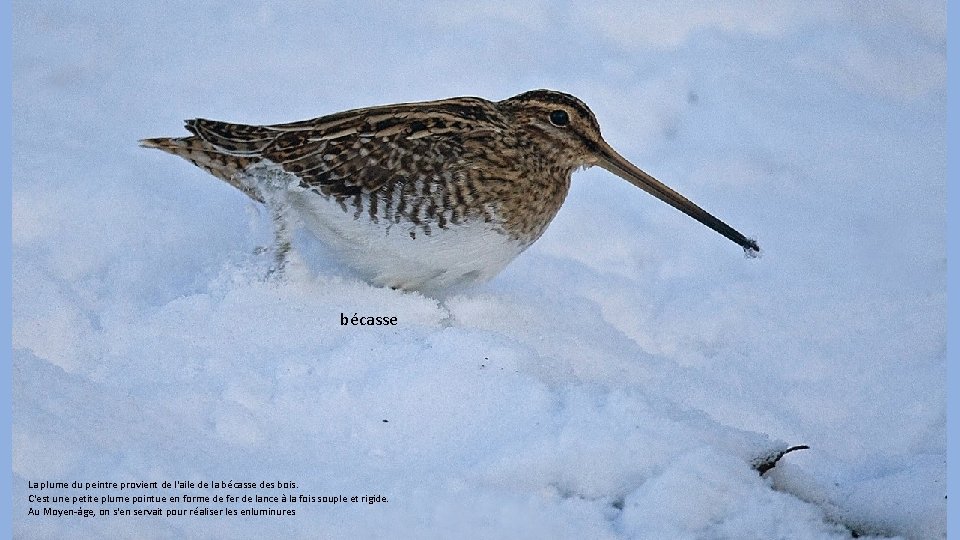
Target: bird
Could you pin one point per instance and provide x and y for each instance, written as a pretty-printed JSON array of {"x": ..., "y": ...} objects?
[{"x": 426, "y": 196}]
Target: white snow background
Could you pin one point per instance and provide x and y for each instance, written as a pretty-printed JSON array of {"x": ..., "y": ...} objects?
[{"x": 615, "y": 381}]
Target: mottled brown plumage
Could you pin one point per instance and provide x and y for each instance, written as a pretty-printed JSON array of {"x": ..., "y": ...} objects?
[{"x": 453, "y": 171}]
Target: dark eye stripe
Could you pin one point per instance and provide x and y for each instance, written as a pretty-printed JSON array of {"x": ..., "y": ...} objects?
[{"x": 559, "y": 118}]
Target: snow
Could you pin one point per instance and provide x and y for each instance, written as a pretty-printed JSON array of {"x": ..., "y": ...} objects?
[{"x": 616, "y": 381}]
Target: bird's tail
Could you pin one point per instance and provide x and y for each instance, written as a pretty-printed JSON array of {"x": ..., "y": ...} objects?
[{"x": 226, "y": 167}]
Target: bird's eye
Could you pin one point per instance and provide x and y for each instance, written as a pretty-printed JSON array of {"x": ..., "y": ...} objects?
[{"x": 559, "y": 118}]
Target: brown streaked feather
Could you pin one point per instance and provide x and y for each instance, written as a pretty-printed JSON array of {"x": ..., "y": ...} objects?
[
  {"x": 363, "y": 158},
  {"x": 208, "y": 158},
  {"x": 232, "y": 138}
]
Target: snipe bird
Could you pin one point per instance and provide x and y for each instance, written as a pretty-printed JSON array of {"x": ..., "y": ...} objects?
[{"x": 421, "y": 196}]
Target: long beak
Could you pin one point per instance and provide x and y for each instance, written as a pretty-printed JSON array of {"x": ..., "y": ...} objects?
[{"x": 618, "y": 165}]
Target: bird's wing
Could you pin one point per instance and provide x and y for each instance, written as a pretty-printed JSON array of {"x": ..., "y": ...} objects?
[
  {"x": 404, "y": 158},
  {"x": 232, "y": 139},
  {"x": 365, "y": 159}
]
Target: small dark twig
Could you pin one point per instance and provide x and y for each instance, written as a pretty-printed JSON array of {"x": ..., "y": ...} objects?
[{"x": 765, "y": 464}]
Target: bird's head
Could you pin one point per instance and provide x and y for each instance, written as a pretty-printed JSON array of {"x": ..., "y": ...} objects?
[{"x": 566, "y": 126}]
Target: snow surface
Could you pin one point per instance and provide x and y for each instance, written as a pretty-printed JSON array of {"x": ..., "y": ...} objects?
[{"x": 615, "y": 381}]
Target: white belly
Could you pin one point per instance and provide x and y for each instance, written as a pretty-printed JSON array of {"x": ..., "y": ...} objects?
[{"x": 385, "y": 254}]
